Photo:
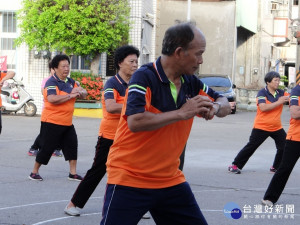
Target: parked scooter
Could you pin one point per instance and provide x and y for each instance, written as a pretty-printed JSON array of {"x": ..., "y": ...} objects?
[{"x": 15, "y": 97}]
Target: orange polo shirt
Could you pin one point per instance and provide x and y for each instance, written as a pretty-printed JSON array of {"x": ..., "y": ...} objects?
[
  {"x": 268, "y": 120},
  {"x": 2, "y": 75},
  {"x": 150, "y": 159},
  {"x": 293, "y": 133},
  {"x": 114, "y": 88},
  {"x": 60, "y": 114}
]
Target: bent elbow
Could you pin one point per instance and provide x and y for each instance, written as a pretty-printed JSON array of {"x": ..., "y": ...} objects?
[
  {"x": 295, "y": 116},
  {"x": 133, "y": 125},
  {"x": 133, "y": 129},
  {"x": 263, "y": 109}
]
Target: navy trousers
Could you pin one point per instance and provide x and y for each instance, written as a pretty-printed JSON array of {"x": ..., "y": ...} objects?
[
  {"x": 257, "y": 137},
  {"x": 174, "y": 205}
]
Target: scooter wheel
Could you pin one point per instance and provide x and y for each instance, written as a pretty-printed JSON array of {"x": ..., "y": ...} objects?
[{"x": 30, "y": 109}]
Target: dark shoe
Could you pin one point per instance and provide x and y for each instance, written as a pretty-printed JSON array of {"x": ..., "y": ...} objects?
[
  {"x": 234, "y": 169},
  {"x": 32, "y": 152},
  {"x": 75, "y": 177},
  {"x": 57, "y": 153},
  {"x": 272, "y": 169},
  {"x": 35, "y": 176}
]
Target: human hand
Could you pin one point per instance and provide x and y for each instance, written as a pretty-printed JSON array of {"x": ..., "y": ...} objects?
[
  {"x": 197, "y": 105},
  {"x": 212, "y": 112},
  {"x": 76, "y": 90},
  {"x": 74, "y": 95},
  {"x": 283, "y": 99}
]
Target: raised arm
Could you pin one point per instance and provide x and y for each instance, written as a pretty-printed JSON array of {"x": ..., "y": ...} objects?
[
  {"x": 148, "y": 121},
  {"x": 295, "y": 112},
  {"x": 113, "y": 107},
  {"x": 9, "y": 75},
  {"x": 58, "y": 99},
  {"x": 267, "y": 107}
]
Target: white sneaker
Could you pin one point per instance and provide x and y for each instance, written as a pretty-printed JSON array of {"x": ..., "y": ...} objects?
[
  {"x": 146, "y": 216},
  {"x": 267, "y": 202},
  {"x": 72, "y": 211}
]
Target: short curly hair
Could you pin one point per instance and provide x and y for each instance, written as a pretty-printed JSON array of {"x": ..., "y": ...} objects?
[
  {"x": 55, "y": 61},
  {"x": 122, "y": 52}
]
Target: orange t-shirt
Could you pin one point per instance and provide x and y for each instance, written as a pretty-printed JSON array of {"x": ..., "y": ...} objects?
[
  {"x": 269, "y": 120},
  {"x": 2, "y": 75},
  {"x": 150, "y": 159},
  {"x": 60, "y": 114},
  {"x": 115, "y": 88},
  {"x": 293, "y": 133}
]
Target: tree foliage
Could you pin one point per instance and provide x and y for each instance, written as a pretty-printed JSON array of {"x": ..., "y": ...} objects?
[{"x": 79, "y": 27}]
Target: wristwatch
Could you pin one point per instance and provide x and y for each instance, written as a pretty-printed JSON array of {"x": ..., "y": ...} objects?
[{"x": 217, "y": 103}]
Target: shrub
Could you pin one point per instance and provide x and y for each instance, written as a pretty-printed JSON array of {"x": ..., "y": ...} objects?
[{"x": 92, "y": 84}]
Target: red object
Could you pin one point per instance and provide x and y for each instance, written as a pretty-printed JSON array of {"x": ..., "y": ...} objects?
[
  {"x": 15, "y": 95},
  {"x": 297, "y": 35},
  {"x": 3, "y": 63}
]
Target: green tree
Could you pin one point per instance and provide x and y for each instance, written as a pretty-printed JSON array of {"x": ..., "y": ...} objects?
[{"x": 75, "y": 27}]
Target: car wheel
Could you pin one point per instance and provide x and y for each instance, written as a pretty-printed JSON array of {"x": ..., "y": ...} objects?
[{"x": 233, "y": 111}]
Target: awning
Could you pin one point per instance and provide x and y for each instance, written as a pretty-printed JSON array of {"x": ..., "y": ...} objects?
[{"x": 246, "y": 14}]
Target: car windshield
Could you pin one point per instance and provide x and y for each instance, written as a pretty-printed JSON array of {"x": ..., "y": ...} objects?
[{"x": 216, "y": 81}]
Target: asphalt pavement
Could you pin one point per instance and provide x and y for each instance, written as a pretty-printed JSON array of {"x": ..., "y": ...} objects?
[{"x": 211, "y": 148}]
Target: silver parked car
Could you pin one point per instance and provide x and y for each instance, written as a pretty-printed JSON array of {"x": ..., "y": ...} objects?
[{"x": 223, "y": 85}]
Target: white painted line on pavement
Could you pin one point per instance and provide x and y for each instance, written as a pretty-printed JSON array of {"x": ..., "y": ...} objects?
[
  {"x": 62, "y": 218},
  {"x": 245, "y": 189},
  {"x": 40, "y": 203},
  {"x": 214, "y": 190},
  {"x": 91, "y": 214}
]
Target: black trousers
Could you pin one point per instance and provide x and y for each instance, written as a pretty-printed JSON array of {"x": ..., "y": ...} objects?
[
  {"x": 51, "y": 136},
  {"x": 37, "y": 143},
  {"x": 290, "y": 157},
  {"x": 94, "y": 175},
  {"x": 257, "y": 137}
]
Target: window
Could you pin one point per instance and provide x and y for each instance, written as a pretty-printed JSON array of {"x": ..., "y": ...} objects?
[
  {"x": 80, "y": 62},
  {"x": 11, "y": 66},
  {"x": 296, "y": 2},
  {"x": 74, "y": 63},
  {"x": 7, "y": 44},
  {"x": 9, "y": 22}
]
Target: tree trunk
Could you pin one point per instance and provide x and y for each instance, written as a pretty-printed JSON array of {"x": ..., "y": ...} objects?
[{"x": 95, "y": 65}]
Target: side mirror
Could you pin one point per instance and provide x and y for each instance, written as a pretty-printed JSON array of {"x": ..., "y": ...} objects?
[{"x": 233, "y": 86}]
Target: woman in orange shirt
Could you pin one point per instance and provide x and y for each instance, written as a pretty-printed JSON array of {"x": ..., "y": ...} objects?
[{"x": 267, "y": 123}]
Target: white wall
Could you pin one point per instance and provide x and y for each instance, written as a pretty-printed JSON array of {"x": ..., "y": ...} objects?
[{"x": 215, "y": 19}]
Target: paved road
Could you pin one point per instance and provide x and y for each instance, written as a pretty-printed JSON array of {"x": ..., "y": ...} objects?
[{"x": 211, "y": 148}]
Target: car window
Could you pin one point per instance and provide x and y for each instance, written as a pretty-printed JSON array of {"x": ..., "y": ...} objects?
[{"x": 216, "y": 81}]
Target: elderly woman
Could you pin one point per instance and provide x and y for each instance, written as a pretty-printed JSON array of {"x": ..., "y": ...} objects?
[
  {"x": 267, "y": 123},
  {"x": 60, "y": 93},
  {"x": 126, "y": 63}
]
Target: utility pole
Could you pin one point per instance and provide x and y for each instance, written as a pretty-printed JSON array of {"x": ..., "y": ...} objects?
[
  {"x": 189, "y": 10},
  {"x": 297, "y": 35}
]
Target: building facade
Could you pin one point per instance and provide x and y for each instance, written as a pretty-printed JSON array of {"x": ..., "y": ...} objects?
[
  {"x": 245, "y": 38},
  {"x": 32, "y": 66}
]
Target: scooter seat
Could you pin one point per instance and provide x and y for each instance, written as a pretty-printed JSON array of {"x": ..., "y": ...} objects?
[{"x": 5, "y": 93}]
